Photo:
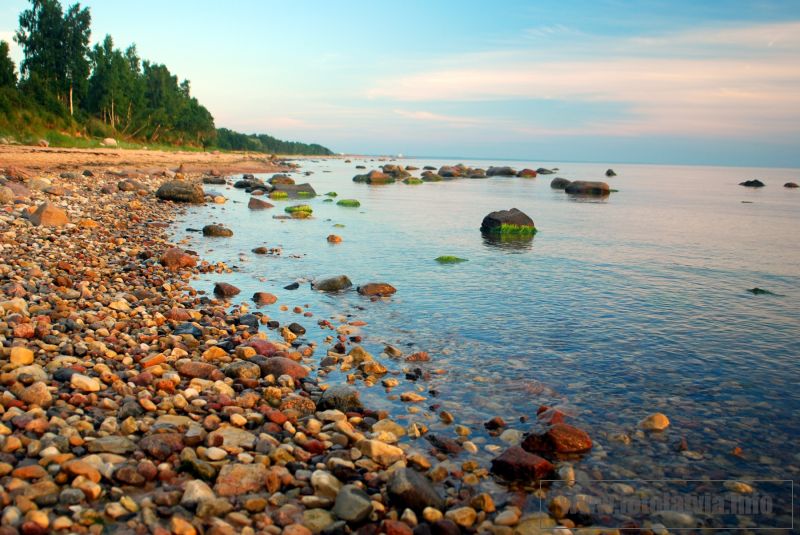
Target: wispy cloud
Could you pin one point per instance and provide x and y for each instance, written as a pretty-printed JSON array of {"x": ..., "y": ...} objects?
[{"x": 712, "y": 82}]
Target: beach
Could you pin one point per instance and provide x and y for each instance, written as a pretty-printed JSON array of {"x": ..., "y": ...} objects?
[{"x": 161, "y": 376}]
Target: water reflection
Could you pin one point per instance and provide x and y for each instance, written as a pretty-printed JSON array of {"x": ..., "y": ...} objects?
[
  {"x": 584, "y": 197},
  {"x": 507, "y": 242}
]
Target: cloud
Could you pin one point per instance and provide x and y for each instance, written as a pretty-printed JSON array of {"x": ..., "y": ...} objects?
[
  {"x": 724, "y": 82},
  {"x": 437, "y": 117}
]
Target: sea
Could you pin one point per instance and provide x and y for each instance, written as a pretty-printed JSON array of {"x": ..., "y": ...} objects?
[{"x": 619, "y": 307}]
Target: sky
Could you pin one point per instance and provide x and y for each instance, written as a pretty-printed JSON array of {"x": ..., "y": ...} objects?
[{"x": 675, "y": 81}]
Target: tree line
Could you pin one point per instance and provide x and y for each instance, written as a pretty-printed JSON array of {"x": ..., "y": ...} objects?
[{"x": 106, "y": 91}]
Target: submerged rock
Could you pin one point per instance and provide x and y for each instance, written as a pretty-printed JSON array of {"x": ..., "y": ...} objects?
[
  {"x": 585, "y": 187},
  {"x": 339, "y": 397},
  {"x": 381, "y": 289},
  {"x": 223, "y": 289},
  {"x": 511, "y": 221},
  {"x": 258, "y": 204},
  {"x": 332, "y": 284},
  {"x": 410, "y": 489},
  {"x": 560, "y": 183},
  {"x": 501, "y": 171},
  {"x": 559, "y": 438},
  {"x": 217, "y": 231},
  {"x": 516, "y": 463},
  {"x": 181, "y": 191}
]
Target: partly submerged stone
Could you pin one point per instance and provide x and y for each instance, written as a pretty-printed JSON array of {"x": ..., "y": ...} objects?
[
  {"x": 181, "y": 191},
  {"x": 332, "y": 284},
  {"x": 586, "y": 187},
  {"x": 511, "y": 221}
]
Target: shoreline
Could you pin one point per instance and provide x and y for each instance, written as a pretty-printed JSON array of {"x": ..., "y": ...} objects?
[
  {"x": 204, "y": 420},
  {"x": 120, "y": 375}
]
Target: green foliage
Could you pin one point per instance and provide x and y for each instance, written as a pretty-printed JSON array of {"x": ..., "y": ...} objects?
[
  {"x": 8, "y": 75},
  {"x": 230, "y": 140},
  {"x": 349, "y": 203},
  {"x": 450, "y": 260}
]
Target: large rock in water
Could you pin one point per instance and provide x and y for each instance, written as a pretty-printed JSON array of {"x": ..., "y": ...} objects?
[
  {"x": 217, "y": 231},
  {"x": 560, "y": 183},
  {"x": 332, "y": 284},
  {"x": 295, "y": 190},
  {"x": 791, "y": 185},
  {"x": 340, "y": 397},
  {"x": 49, "y": 215},
  {"x": 181, "y": 191},
  {"x": 494, "y": 222},
  {"x": 516, "y": 463},
  {"x": 755, "y": 183},
  {"x": 560, "y": 438},
  {"x": 381, "y": 289},
  {"x": 501, "y": 171},
  {"x": 258, "y": 204},
  {"x": 410, "y": 489},
  {"x": 585, "y": 187},
  {"x": 610, "y": 173}
]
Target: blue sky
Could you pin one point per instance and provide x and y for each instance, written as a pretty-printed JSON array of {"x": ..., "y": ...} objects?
[{"x": 675, "y": 81}]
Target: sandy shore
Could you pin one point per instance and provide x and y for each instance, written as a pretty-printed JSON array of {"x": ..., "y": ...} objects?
[{"x": 55, "y": 159}]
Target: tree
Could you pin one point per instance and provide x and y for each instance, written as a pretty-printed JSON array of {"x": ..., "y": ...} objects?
[
  {"x": 55, "y": 46},
  {"x": 77, "y": 30},
  {"x": 41, "y": 36},
  {"x": 8, "y": 77}
]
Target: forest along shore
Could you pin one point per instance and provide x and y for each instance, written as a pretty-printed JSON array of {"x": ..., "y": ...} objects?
[{"x": 130, "y": 401}]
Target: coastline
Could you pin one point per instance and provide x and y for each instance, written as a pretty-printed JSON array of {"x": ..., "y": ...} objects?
[{"x": 119, "y": 375}]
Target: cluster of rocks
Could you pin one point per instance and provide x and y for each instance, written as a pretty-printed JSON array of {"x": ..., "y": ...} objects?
[
  {"x": 391, "y": 173},
  {"x": 756, "y": 183}
]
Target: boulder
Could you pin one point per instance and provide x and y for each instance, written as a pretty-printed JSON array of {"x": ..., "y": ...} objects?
[
  {"x": 447, "y": 171},
  {"x": 510, "y": 220},
  {"x": 223, "y": 289},
  {"x": 296, "y": 190},
  {"x": 380, "y": 289},
  {"x": 791, "y": 185},
  {"x": 585, "y": 187},
  {"x": 501, "y": 171},
  {"x": 352, "y": 504},
  {"x": 281, "y": 179},
  {"x": 374, "y": 177},
  {"x": 543, "y": 171},
  {"x": 560, "y": 183},
  {"x": 477, "y": 173},
  {"x": 339, "y": 397},
  {"x": 332, "y": 284},
  {"x": 43, "y": 143},
  {"x": 258, "y": 204},
  {"x": 175, "y": 258},
  {"x": 410, "y": 489},
  {"x": 278, "y": 366},
  {"x": 217, "y": 231},
  {"x": 215, "y": 180},
  {"x": 610, "y": 173},
  {"x": 559, "y": 438},
  {"x": 516, "y": 463},
  {"x": 755, "y": 183},
  {"x": 264, "y": 298},
  {"x": 49, "y": 215},
  {"x": 181, "y": 191},
  {"x": 109, "y": 142},
  {"x": 528, "y": 173}
]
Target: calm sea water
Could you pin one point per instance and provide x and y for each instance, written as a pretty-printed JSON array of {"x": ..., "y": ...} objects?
[{"x": 618, "y": 308}]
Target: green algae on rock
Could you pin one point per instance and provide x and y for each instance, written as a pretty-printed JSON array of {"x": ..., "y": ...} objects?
[
  {"x": 447, "y": 259},
  {"x": 349, "y": 203}
]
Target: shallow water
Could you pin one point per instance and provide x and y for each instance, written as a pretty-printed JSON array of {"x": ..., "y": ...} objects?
[{"x": 618, "y": 308}]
